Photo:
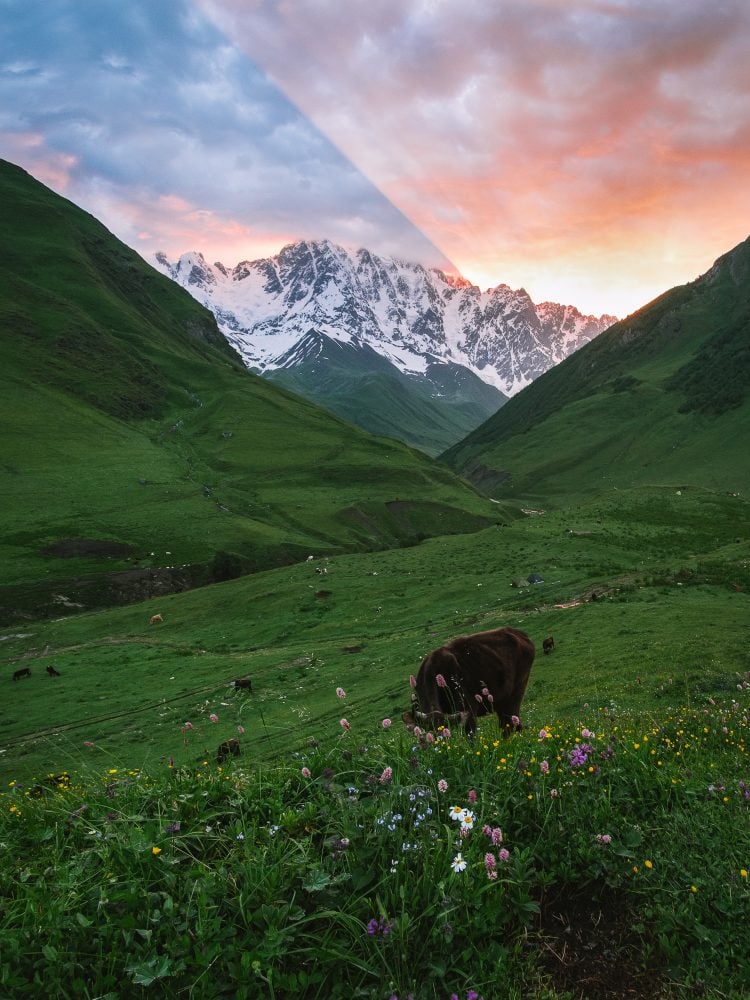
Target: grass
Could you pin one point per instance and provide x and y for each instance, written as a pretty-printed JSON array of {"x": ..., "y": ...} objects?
[{"x": 129, "y": 871}]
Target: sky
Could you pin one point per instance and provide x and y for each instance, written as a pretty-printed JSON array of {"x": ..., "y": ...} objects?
[{"x": 594, "y": 152}]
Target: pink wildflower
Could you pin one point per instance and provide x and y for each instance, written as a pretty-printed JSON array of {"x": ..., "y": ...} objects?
[
  {"x": 544, "y": 767},
  {"x": 386, "y": 776},
  {"x": 503, "y": 854},
  {"x": 487, "y": 830},
  {"x": 446, "y": 733},
  {"x": 417, "y": 733},
  {"x": 543, "y": 734},
  {"x": 490, "y": 862},
  {"x": 214, "y": 717},
  {"x": 306, "y": 772},
  {"x": 496, "y": 836},
  {"x": 587, "y": 734},
  {"x": 515, "y": 720},
  {"x": 344, "y": 724},
  {"x": 440, "y": 681},
  {"x": 386, "y": 723},
  {"x": 478, "y": 697},
  {"x": 188, "y": 725},
  {"x": 240, "y": 730},
  {"x": 443, "y": 786},
  {"x": 485, "y": 692},
  {"x": 430, "y": 738},
  {"x": 87, "y": 743},
  {"x": 472, "y": 796},
  {"x": 340, "y": 693},
  {"x": 412, "y": 681},
  {"x": 490, "y": 699},
  {"x": 603, "y": 838}
]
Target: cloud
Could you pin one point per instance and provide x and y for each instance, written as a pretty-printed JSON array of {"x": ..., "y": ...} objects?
[
  {"x": 127, "y": 107},
  {"x": 521, "y": 134}
]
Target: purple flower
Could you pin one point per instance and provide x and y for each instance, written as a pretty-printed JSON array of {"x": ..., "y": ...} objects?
[
  {"x": 579, "y": 754},
  {"x": 472, "y": 796},
  {"x": 345, "y": 724},
  {"x": 214, "y": 717},
  {"x": 386, "y": 723},
  {"x": 496, "y": 836},
  {"x": 306, "y": 772},
  {"x": 503, "y": 854},
  {"x": 441, "y": 681},
  {"x": 544, "y": 767},
  {"x": 603, "y": 838}
]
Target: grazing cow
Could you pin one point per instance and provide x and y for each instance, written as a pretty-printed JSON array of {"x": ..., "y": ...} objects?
[
  {"x": 226, "y": 749},
  {"x": 471, "y": 676},
  {"x": 52, "y": 672},
  {"x": 23, "y": 672},
  {"x": 154, "y": 619},
  {"x": 244, "y": 683},
  {"x": 548, "y": 645}
]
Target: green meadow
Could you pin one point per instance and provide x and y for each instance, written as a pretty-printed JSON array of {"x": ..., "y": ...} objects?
[{"x": 144, "y": 868}]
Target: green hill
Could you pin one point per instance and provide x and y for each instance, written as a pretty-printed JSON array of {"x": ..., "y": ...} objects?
[
  {"x": 661, "y": 396},
  {"x": 139, "y": 456},
  {"x": 429, "y": 412}
]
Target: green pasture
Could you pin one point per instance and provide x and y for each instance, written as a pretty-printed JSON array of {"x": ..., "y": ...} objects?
[{"x": 668, "y": 566}]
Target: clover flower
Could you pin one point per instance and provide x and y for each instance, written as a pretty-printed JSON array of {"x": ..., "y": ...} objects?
[
  {"x": 543, "y": 734},
  {"x": 515, "y": 720},
  {"x": 306, "y": 772},
  {"x": 442, "y": 786},
  {"x": 603, "y": 838},
  {"x": 340, "y": 693},
  {"x": 386, "y": 723},
  {"x": 345, "y": 724},
  {"x": 472, "y": 796},
  {"x": 412, "y": 681},
  {"x": 440, "y": 680},
  {"x": 386, "y": 776},
  {"x": 503, "y": 854},
  {"x": 544, "y": 767},
  {"x": 187, "y": 725},
  {"x": 214, "y": 717}
]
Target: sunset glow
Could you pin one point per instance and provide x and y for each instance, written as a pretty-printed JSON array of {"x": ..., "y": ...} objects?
[{"x": 595, "y": 152}]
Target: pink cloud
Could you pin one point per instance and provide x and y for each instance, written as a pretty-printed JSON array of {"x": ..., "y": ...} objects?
[{"x": 537, "y": 138}]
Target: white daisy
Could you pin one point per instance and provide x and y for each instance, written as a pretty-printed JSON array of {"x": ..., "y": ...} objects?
[
  {"x": 458, "y": 864},
  {"x": 457, "y": 812}
]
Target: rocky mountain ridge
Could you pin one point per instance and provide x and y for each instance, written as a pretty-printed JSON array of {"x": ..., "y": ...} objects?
[{"x": 411, "y": 315}]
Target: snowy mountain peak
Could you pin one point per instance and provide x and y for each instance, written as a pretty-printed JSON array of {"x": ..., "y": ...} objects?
[{"x": 408, "y": 314}]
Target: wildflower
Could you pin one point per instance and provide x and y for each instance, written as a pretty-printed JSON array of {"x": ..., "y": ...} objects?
[
  {"x": 490, "y": 862},
  {"x": 544, "y": 767},
  {"x": 213, "y": 717},
  {"x": 478, "y": 697},
  {"x": 458, "y": 864},
  {"x": 173, "y": 827},
  {"x": 579, "y": 755},
  {"x": 467, "y": 821},
  {"x": 417, "y": 733},
  {"x": 386, "y": 776},
  {"x": 345, "y": 725},
  {"x": 340, "y": 693},
  {"x": 743, "y": 872},
  {"x": 543, "y": 734},
  {"x": 503, "y": 854},
  {"x": 472, "y": 796},
  {"x": 446, "y": 733},
  {"x": 648, "y": 864},
  {"x": 240, "y": 836},
  {"x": 457, "y": 812},
  {"x": 496, "y": 836},
  {"x": 693, "y": 888},
  {"x": 386, "y": 723},
  {"x": 442, "y": 785},
  {"x": 472, "y": 995},
  {"x": 187, "y": 725},
  {"x": 87, "y": 743},
  {"x": 412, "y": 681},
  {"x": 603, "y": 838},
  {"x": 490, "y": 699},
  {"x": 515, "y": 720},
  {"x": 156, "y": 850},
  {"x": 587, "y": 734},
  {"x": 430, "y": 737},
  {"x": 440, "y": 681},
  {"x": 485, "y": 692},
  {"x": 306, "y": 772},
  {"x": 240, "y": 730}
]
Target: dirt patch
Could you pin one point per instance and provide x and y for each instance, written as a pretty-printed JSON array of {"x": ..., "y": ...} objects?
[
  {"x": 70, "y": 548},
  {"x": 589, "y": 947}
]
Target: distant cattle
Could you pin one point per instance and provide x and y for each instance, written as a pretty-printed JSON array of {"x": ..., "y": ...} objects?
[
  {"x": 154, "y": 619},
  {"x": 548, "y": 645},
  {"x": 226, "y": 749},
  {"x": 23, "y": 672},
  {"x": 244, "y": 683},
  {"x": 472, "y": 676},
  {"x": 52, "y": 672}
]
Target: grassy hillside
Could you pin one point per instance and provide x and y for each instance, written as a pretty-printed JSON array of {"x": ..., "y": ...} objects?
[
  {"x": 429, "y": 413},
  {"x": 138, "y": 456},
  {"x": 663, "y": 396}
]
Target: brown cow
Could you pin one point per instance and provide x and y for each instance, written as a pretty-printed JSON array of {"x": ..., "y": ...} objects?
[
  {"x": 243, "y": 682},
  {"x": 154, "y": 619},
  {"x": 227, "y": 748},
  {"x": 548, "y": 645},
  {"x": 471, "y": 676}
]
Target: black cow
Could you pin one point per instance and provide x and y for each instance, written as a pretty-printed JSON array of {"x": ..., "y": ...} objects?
[
  {"x": 23, "y": 672},
  {"x": 471, "y": 676},
  {"x": 52, "y": 672},
  {"x": 226, "y": 749},
  {"x": 243, "y": 682},
  {"x": 548, "y": 645}
]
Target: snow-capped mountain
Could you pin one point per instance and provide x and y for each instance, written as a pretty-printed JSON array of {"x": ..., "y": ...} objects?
[{"x": 412, "y": 316}]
